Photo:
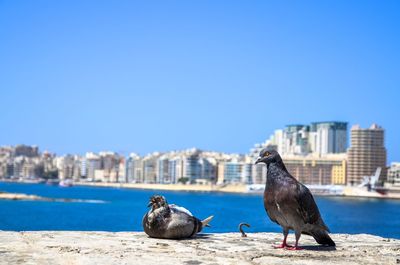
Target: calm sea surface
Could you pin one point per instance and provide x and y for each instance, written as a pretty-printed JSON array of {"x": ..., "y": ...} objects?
[{"x": 124, "y": 208}]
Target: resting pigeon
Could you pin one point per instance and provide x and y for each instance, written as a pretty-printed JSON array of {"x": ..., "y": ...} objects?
[
  {"x": 291, "y": 204},
  {"x": 170, "y": 221}
]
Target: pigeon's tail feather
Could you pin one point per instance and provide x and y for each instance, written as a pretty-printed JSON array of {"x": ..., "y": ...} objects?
[
  {"x": 322, "y": 238},
  {"x": 205, "y": 222}
]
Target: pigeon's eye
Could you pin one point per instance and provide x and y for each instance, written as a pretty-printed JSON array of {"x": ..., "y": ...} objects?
[{"x": 267, "y": 154}]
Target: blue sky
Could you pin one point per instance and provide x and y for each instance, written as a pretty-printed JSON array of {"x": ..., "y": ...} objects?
[{"x": 140, "y": 76}]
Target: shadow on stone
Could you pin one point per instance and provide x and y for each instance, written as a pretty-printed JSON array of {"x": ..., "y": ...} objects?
[
  {"x": 198, "y": 236},
  {"x": 201, "y": 236},
  {"x": 192, "y": 262},
  {"x": 318, "y": 248}
]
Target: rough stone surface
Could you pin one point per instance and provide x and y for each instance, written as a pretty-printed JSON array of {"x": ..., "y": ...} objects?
[{"x": 230, "y": 248}]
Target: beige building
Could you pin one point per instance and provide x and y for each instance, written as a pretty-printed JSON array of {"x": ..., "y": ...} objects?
[
  {"x": 366, "y": 153},
  {"x": 315, "y": 170},
  {"x": 394, "y": 174},
  {"x": 150, "y": 167},
  {"x": 98, "y": 175}
]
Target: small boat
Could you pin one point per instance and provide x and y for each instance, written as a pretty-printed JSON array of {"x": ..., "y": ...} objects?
[
  {"x": 256, "y": 188},
  {"x": 41, "y": 181},
  {"x": 52, "y": 182},
  {"x": 65, "y": 183}
]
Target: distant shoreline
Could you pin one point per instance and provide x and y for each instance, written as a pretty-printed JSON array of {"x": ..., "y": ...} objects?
[
  {"x": 231, "y": 188},
  {"x": 234, "y": 188},
  {"x": 349, "y": 192}
]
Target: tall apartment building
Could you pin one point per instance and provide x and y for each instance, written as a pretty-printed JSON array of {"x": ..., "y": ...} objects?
[
  {"x": 175, "y": 168},
  {"x": 319, "y": 138},
  {"x": 296, "y": 140},
  {"x": 164, "y": 174},
  {"x": 134, "y": 169},
  {"x": 150, "y": 167},
  {"x": 233, "y": 172},
  {"x": 366, "y": 153},
  {"x": 92, "y": 164},
  {"x": 65, "y": 166},
  {"x": 328, "y": 137}
]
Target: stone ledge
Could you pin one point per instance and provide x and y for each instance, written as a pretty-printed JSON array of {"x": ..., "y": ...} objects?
[{"x": 50, "y": 247}]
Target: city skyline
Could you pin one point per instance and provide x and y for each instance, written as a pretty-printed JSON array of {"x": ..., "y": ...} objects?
[
  {"x": 268, "y": 141},
  {"x": 138, "y": 76},
  {"x": 315, "y": 153}
]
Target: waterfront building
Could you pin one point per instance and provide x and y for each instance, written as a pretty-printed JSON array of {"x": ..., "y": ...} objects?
[
  {"x": 316, "y": 170},
  {"x": 65, "y": 166},
  {"x": 150, "y": 167},
  {"x": 6, "y": 169},
  {"x": 175, "y": 168},
  {"x": 113, "y": 176},
  {"x": 394, "y": 174},
  {"x": 259, "y": 173},
  {"x": 76, "y": 174},
  {"x": 295, "y": 140},
  {"x": 83, "y": 167},
  {"x": 197, "y": 166},
  {"x": 93, "y": 163},
  {"x": 28, "y": 169},
  {"x": 236, "y": 169},
  {"x": 134, "y": 169},
  {"x": 9, "y": 170},
  {"x": 164, "y": 176},
  {"x": 208, "y": 169},
  {"x": 18, "y": 163},
  {"x": 312, "y": 153},
  {"x": 26, "y": 150},
  {"x": 318, "y": 138},
  {"x": 220, "y": 172},
  {"x": 366, "y": 153},
  {"x": 328, "y": 137},
  {"x": 3, "y": 165},
  {"x": 48, "y": 161},
  {"x": 6, "y": 163},
  {"x": 233, "y": 172},
  {"x": 121, "y": 169},
  {"x": 300, "y": 146},
  {"x": 98, "y": 175},
  {"x": 247, "y": 173},
  {"x": 191, "y": 165},
  {"x": 109, "y": 162}
]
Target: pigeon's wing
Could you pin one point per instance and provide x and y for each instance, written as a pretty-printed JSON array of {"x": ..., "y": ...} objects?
[
  {"x": 270, "y": 205},
  {"x": 175, "y": 209},
  {"x": 307, "y": 207}
]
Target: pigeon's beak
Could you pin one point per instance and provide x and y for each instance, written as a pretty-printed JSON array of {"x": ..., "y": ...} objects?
[
  {"x": 258, "y": 160},
  {"x": 148, "y": 205}
]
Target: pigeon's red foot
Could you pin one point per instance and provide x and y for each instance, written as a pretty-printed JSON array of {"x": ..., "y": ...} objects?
[
  {"x": 283, "y": 246},
  {"x": 294, "y": 248}
]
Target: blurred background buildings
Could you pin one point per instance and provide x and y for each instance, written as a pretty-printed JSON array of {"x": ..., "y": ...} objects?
[{"x": 316, "y": 154}]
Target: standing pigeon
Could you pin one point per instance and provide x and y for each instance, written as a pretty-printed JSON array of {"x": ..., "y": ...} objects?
[
  {"x": 291, "y": 204},
  {"x": 170, "y": 221}
]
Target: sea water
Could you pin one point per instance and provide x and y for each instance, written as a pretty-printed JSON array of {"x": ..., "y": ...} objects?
[{"x": 117, "y": 209}]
